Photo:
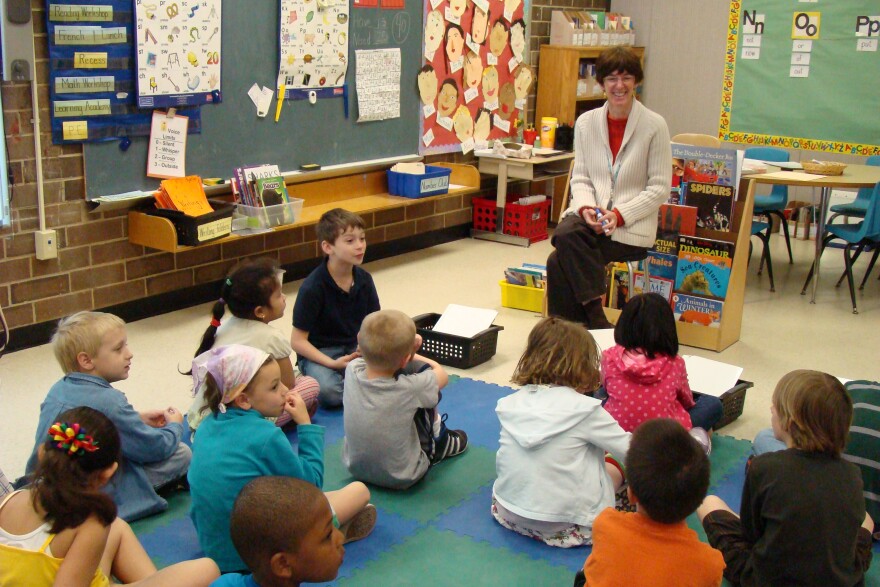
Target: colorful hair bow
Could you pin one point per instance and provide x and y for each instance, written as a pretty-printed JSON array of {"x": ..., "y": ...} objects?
[{"x": 72, "y": 438}]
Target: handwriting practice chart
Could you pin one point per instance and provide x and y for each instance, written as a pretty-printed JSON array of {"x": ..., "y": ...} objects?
[
  {"x": 314, "y": 45},
  {"x": 378, "y": 84},
  {"x": 783, "y": 72},
  {"x": 178, "y": 52}
]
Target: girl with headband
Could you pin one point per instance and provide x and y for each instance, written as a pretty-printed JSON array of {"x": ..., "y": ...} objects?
[{"x": 63, "y": 529}]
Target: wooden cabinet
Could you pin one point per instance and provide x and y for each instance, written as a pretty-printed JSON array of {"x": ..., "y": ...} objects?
[{"x": 558, "y": 73}]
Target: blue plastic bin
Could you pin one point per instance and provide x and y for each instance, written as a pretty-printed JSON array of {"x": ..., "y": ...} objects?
[{"x": 434, "y": 182}]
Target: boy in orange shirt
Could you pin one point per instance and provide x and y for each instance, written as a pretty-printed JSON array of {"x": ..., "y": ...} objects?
[{"x": 668, "y": 476}]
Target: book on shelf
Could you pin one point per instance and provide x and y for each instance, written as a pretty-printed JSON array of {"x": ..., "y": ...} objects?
[
  {"x": 244, "y": 182},
  {"x": 697, "y": 309},
  {"x": 666, "y": 243},
  {"x": 526, "y": 276},
  {"x": 677, "y": 218},
  {"x": 272, "y": 191},
  {"x": 662, "y": 265},
  {"x": 708, "y": 166},
  {"x": 618, "y": 286},
  {"x": 703, "y": 267}
]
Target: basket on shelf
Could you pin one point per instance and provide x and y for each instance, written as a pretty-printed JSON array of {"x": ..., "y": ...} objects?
[{"x": 823, "y": 167}]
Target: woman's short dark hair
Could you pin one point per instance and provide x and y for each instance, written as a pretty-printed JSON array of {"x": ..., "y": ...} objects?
[
  {"x": 647, "y": 323},
  {"x": 618, "y": 60}
]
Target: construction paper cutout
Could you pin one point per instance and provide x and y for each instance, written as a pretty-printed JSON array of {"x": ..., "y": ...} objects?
[
  {"x": 479, "y": 25},
  {"x": 457, "y": 7},
  {"x": 506, "y": 101},
  {"x": 518, "y": 38},
  {"x": 454, "y": 43},
  {"x": 490, "y": 84},
  {"x": 463, "y": 123},
  {"x": 427, "y": 84},
  {"x": 482, "y": 125},
  {"x": 434, "y": 30},
  {"x": 473, "y": 70},
  {"x": 523, "y": 78},
  {"x": 448, "y": 98},
  {"x": 498, "y": 38}
]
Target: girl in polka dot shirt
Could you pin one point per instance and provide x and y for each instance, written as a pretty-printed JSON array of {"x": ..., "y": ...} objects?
[{"x": 644, "y": 376}]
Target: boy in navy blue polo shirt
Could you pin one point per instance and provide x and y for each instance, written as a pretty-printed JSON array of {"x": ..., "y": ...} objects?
[{"x": 331, "y": 304}]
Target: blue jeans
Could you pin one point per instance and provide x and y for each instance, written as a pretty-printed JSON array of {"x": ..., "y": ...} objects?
[
  {"x": 171, "y": 469},
  {"x": 330, "y": 380},
  {"x": 765, "y": 441},
  {"x": 706, "y": 411}
]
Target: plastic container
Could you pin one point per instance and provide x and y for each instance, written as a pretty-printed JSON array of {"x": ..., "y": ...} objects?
[
  {"x": 434, "y": 182},
  {"x": 527, "y": 221},
  {"x": 521, "y": 298},
  {"x": 455, "y": 351},
  {"x": 266, "y": 216},
  {"x": 196, "y": 230},
  {"x": 732, "y": 402},
  {"x": 548, "y": 131}
]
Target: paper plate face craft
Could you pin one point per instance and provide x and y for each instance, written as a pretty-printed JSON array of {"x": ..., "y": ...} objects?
[
  {"x": 522, "y": 81},
  {"x": 427, "y": 85},
  {"x": 498, "y": 38},
  {"x": 463, "y": 124},
  {"x": 506, "y": 101},
  {"x": 479, "y": 25},
  {"x": 490, "y": 84},
  {"x": 473, "y": 69},
  {"x": 448, "y": 99},
  {"x": 434, "y": 30},
  {"x": 482, "y": 125}
]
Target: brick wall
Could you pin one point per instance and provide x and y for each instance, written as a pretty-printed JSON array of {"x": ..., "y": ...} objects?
[
  {"x": 96, "y": 266},
  {"x": 540, "y": 33}
]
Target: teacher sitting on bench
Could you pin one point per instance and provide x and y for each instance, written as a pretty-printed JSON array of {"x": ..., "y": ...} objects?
[{"x": 622, "y": 174}]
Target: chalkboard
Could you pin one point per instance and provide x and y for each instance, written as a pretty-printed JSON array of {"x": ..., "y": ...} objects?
[
  {"x": 232, "y": 135},
  {"x": 802, "y": 75}
]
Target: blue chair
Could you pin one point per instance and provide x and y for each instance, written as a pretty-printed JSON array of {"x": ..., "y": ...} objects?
[
  {"x": 762, "y": 231},
  {"x": 859, "y": 206},
  {"x": 866, "y": 232},
  {"x": 775, "y": 202}
]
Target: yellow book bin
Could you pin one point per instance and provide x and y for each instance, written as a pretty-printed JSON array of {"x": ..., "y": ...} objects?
[{"x": 521, "y": 298}]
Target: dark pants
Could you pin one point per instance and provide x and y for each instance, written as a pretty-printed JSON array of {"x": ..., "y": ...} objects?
[
  {"x": 576, "y": 269},
  {"x": 425, "y": 417},
  {"x": 707, "y": 411}
]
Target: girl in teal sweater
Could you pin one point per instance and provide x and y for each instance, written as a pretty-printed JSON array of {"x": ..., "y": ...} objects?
[{"x": 235, "y": 444}]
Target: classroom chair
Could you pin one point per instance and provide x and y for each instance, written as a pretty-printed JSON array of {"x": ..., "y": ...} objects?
[
  {"x": 775, "y": 202},
  {"x": 762, "y": 231},
  {"x": 696, "y": 139},
  {"x": 866, "y": 232},
  {"x": 859, "y": 206}
]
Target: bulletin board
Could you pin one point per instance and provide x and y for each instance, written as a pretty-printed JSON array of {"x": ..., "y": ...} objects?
[
  {"x": 803, "y": 75},
  {"x": 233, "y": 135}
]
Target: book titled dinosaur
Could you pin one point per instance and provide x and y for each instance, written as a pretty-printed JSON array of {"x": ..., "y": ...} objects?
[{"x": 704, "y": 267}]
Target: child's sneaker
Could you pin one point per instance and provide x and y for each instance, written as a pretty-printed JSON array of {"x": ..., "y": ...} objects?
[
  {"x": 702, "y": 437},
  {"x": 360, "y": 525},
  {"x": 455, "y": 444}
]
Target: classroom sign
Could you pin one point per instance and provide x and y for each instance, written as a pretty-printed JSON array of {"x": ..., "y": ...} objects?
[{"x": 803, "y": 75}]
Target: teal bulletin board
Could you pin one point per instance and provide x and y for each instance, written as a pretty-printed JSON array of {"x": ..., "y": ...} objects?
[
  {"x": 802, "y": 75},
  {"x": 233, "y": 135}
]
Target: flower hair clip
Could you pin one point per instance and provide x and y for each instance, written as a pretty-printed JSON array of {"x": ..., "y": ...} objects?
[{"x": 72, "y": 438}]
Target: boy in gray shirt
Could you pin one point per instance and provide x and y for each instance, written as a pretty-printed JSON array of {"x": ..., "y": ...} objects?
[{"x": 393, "y": 432}]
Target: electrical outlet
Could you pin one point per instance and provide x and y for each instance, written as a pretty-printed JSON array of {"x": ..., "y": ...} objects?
[{"x": 46, "y": 244}]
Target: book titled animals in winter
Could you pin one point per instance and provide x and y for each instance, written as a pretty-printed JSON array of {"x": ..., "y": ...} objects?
[
  {"x": 703, "y": 266},
  {"x": 697, "y": 310}
]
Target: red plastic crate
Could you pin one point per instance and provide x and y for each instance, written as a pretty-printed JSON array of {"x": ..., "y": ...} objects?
[{"x": 526, "y": 220}]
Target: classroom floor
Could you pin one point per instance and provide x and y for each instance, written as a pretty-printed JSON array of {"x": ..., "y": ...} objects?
[{"x": 781, "y": 331}]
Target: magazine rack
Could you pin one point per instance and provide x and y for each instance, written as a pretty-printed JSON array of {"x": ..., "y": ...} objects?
[{"x": 718, "y": 339}]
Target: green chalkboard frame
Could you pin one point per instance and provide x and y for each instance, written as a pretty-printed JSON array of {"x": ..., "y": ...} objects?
[
  {"x": 834, "y": 109},
  {"x": 233, "y": 135}
]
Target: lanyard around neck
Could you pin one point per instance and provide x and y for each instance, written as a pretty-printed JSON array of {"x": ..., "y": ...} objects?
[{"x": 613, "y": 171}]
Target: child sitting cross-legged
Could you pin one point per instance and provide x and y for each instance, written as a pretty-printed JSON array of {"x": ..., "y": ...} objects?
[
  {"x": 92, "y": 349},
  {"x": 283, "y": 529},
  {"x": 235, "y": 444},
  {"x": 802, "y": 520},
  {"x": 63, "y": 529},
  {"x": 553, "y": 476},
  {"x": 393, "y": 431},
  {"x": 667, "y": 474}
]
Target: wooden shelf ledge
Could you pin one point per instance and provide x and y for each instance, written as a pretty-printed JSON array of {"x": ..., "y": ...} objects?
[{"x": 359, "y": 193}]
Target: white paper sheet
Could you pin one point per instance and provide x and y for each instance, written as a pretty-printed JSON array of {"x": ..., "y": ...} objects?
[
  {"x": 464, "y": 320},
  {"x": 795, "y": 175},
  {"x": 378, "y": 84},
  {"x": 604, "y": 338},
  {"x": 709, "y": 376}
]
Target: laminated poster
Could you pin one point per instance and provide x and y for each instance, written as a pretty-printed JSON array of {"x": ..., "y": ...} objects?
[
  {"x": 473, "y": 82},
  {"x": 314, "y": 47},
  {"x": 178, "y": 52},
  {"x": 167, "y": 153}
]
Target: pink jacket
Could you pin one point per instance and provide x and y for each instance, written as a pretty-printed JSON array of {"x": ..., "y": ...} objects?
[{"x": 641, "y": 389}]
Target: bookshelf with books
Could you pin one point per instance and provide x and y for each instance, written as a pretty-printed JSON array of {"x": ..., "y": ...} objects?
[{"x": 727, "y": 330}]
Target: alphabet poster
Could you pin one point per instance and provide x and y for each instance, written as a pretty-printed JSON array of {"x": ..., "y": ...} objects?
[
  {"x": 473, "y": 83},
  {"x": 178, "y": 52},
  {"x": 314, "y": 47}
]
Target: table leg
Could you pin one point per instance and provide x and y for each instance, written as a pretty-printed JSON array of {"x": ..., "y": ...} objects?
[
  {"x": 501, "y": 197},
  {"x": 824, "y": 199}
]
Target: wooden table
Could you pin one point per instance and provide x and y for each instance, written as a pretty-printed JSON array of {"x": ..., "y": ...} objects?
[
  {"x": 535, "y": 168},
  {"x": 854, "y": 176}
]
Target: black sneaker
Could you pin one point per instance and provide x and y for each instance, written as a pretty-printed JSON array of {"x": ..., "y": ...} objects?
[{"x": 455, "y": 444}]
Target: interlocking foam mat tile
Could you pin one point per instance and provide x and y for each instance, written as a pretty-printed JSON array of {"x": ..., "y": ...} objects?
[{"x": 440, "y": 532}]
